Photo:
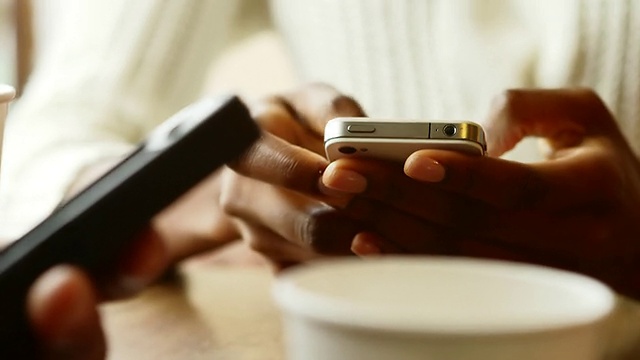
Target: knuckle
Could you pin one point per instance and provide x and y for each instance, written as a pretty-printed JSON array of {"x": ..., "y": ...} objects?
[
  {"x": 590, "y": 99},
  {"x": 587, "y": 95},
  {"x": 272, "y": 112},
  {"x": 324, "y": 230},
  {"x": 254, "y": 242},
  {"x": 590, "y": 107},
  {"x": 263, "y": 108},
  {"x": 311, "y": 232},
  {"x": 293, "y": 174},
  {"x": 256, "y": 239},
  {"x": 229, "y": 194},
  {"x": 339, "y": 104},
  {"x": 306, "y": 230},
  {"x": 228, "y": 206},
  {"x": 259, "y": 244}
]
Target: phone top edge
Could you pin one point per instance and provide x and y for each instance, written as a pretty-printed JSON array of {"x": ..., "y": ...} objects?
[
  {"x": 361, "y": 127},
  {"x": 402, "y": 120}
]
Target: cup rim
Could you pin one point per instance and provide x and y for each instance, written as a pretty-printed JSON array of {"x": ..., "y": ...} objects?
[
  {"x": 7, "y": 93},
  {"x": 294, "y": 300}
]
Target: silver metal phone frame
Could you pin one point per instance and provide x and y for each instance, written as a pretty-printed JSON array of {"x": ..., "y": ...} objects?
[{"x": 360, "y": 127}]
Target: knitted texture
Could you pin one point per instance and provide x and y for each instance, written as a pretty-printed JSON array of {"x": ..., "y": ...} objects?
[{"x": 117, "y": 68}]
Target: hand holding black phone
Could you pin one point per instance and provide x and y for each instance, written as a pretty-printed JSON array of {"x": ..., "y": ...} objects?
[{"x": 92, "y": 229}]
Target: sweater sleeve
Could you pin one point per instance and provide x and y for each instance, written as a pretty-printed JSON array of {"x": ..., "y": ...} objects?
[{"x": 112, "y": 72}]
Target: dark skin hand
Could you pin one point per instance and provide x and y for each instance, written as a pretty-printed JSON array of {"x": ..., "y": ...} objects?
[
  {"x": 272, "y": 195},
  {"x": 62, "y": 303},
  {"x": 576, "y": 211},
  {"x": 572, "y": 211}
]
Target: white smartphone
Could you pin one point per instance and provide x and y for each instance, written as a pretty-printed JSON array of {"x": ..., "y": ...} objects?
[{"x": 395, "y": 140}]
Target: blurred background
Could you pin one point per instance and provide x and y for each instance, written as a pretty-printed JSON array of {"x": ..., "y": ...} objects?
[
  {"x": 27, "y": 25},
  {"x": 254, "y": 67},
  {"x": 8, "y": 34}
]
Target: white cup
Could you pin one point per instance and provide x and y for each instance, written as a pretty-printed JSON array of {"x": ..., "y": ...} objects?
[
  {"x": 7, "y": 93},
  {"x": 440, "y": 308}
]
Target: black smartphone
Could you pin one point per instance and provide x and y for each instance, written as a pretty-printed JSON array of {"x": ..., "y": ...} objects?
[{"x": 91, "y": 229}]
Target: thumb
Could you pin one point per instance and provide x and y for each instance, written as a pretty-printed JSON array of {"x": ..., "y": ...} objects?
[
  {"x": 562, "y": 116},
  {"x": 62, "y": 305}
]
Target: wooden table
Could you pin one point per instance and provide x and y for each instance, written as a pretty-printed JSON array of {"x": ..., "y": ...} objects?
[
  {"x": 211, "y": 312},
  {"x": 214, "y": 310}
]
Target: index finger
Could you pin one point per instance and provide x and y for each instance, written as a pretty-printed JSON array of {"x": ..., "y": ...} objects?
[
  {"x": 286, "y": 159},
  {"x": 275, "y": 161}
]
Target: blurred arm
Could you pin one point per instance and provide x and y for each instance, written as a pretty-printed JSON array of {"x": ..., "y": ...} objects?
[{"x": 112, "y": 71}]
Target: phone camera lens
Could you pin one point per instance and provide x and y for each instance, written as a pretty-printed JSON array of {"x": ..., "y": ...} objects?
[
  {"x": 449, "y": 130},
  {"x": 347, "y": 150}
]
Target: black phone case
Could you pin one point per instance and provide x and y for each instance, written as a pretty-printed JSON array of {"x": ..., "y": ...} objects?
[{"x": 91, "y": 229}]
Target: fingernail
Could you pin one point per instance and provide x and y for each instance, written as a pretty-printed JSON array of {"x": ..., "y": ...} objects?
[
  {"x": 344, "y": 180},
  {"x": 424, "y": 169},
  {"x": 335, "y": 194},
  {"x": 365, "y": 248}
]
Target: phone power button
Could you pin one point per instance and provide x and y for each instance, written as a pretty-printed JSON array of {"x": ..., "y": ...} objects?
[{"x": 358, "y": 129}]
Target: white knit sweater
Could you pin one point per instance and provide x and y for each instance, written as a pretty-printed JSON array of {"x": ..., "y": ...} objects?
[{"x": 115, "y": 68}]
